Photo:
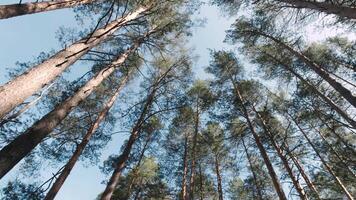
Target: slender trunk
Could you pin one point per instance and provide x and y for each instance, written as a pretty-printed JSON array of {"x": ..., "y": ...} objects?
[
  {"x": 192, "y": 176},
  {"x": 185, "y": 170},
  {"x": 328, "y": 8},
  {"x": 19, "y": 89},
  {"x": 121, "y": 163},
  {"x": 218, "y": 177},
  {"x": 80, "y": 148},
  {"x": 272, "y": 173},
  {"x": 12, "y": 153},
  {"x": 259, "y": 194},
  {"x": 337, "y": 179},
  {"x": 330, "y": 102},
  {"x": 302, "y": 172},
  {"x": 336, "y": 154},
  {"x": 136, "y": 170},
  {"x": 344, "y": 92},
  {"x": 201, "y": 183},
  {"x": 14, "y": 10},
  {"x": 279, "y": 151}
]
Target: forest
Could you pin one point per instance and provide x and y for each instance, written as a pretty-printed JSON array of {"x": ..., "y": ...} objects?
[{"x": 124, "y": 103}]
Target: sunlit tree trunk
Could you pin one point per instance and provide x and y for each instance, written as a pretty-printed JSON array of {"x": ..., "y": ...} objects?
[
  {"x": 259, "y": 193},
  {"x": 303, "y": 173},
  {"x": 80, "y": 148},
  {"x": 19, "y": 89},
  {"x": 276, "y": 183},
  {"x": 218, "y": 177},
  {"x": 21, "y": 146},
  {"x": 195, "y": 136},
  {"x": 332, "y": 173},
  {"x": 279, "y": 151},
  {"x": 326, "y": 7},
  {"x": 14, "y": 10},
  {"x": 185, "y": 170},
  {"x": 327, "y": 100},
  {"x": 344, "y": 92}
]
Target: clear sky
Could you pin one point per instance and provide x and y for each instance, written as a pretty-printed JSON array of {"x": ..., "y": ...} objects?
[{"x": 23, "y": 38}]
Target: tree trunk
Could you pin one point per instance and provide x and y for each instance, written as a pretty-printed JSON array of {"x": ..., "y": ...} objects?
[
  {"x": 344, "y": 92},
  {"x": 330, "y": 102},
  {"x": 302, "y": 172},
  {"x": 328, "y": 8},
  {"x": 19, "y": 89},
  {"x": 259, "y": 194},
  {"x": 14, "y": 10},
  {"x": 80, "y": 148},
  {"x": 201, "y": 183},
  {"x": 12, "y": 153},
  {"x": 272, "y": 173},
  {"x": 295, "y": 181},
  {"x": 192, "y": 175},
  {"x": 120, "y": 165},
  {"x": 218, "y": 177},
  {"x": 337, "y": 179},
  {"x": 185, "y": 170}
]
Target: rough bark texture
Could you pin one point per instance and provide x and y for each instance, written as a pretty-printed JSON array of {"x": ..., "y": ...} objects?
[
  {"x": 218, "y": 177},
  {"x": 344, "y": 92},
  {"x": 19, "y": 89},
  {"x": 12, "y": 153},
  {"x": 14, "y": 10},
  {"x": 330, "y": 102},
  {"x": 332, "y": 173},
  {"x": 80, "y": 148},
  {"x": 328, "y": 8},
  {"x": 279, "y": 151}
]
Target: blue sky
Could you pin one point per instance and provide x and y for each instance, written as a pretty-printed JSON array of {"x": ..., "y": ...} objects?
[{"x": 23, "y": 38}]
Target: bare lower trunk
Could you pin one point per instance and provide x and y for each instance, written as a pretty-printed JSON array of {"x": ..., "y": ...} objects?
[
  {"x": 201, "y": 183},
  {"x": 14, "y": 10},
  {"x": 302, "y": 172},
  {"x": 328, "y": 8},
  {"x": 12, "y": 153},
  {"x": 332, "y": 173},
  {"x": 327, "y": 100},
  {"x": 19, "y": 89},
  {"x": 289, "y": 170},
  {"x": 192, "y": 176},
  {"x": 120, "y": 165},
  {"x": 344, "y": 92},
  {"x": 80, "y": 148},
  {"x": 218, "y": 178},
  {"x": 272, "y": 173},
  {"x": 259, "y": 193},
  {"x": 185, "y": 170}
]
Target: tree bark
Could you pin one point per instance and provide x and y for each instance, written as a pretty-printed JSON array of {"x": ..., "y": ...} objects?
[
  {"x": 80, "y": 148},
  {"x": 185, "y": 170},
  {"x": 12, "y": 153},
  {"x": 259, "y": 194},
  {"x": 19, "y": 89},
  {"x": 279, "y": 151},
  {"x": 332, "y": 173},
  {"x": 344, "y": 92},
  {"x": 192, "y": 175},
  {"x": 328, "y": 8},
  {"x": 302, "y": 172},
  {"x": 272, "y": 173},
  {"x": 14, "y": 10},
  {"x": 218, "y": 177},
  {"x": 201, "y": 183},
  {"x": 330, "y": 102}
]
